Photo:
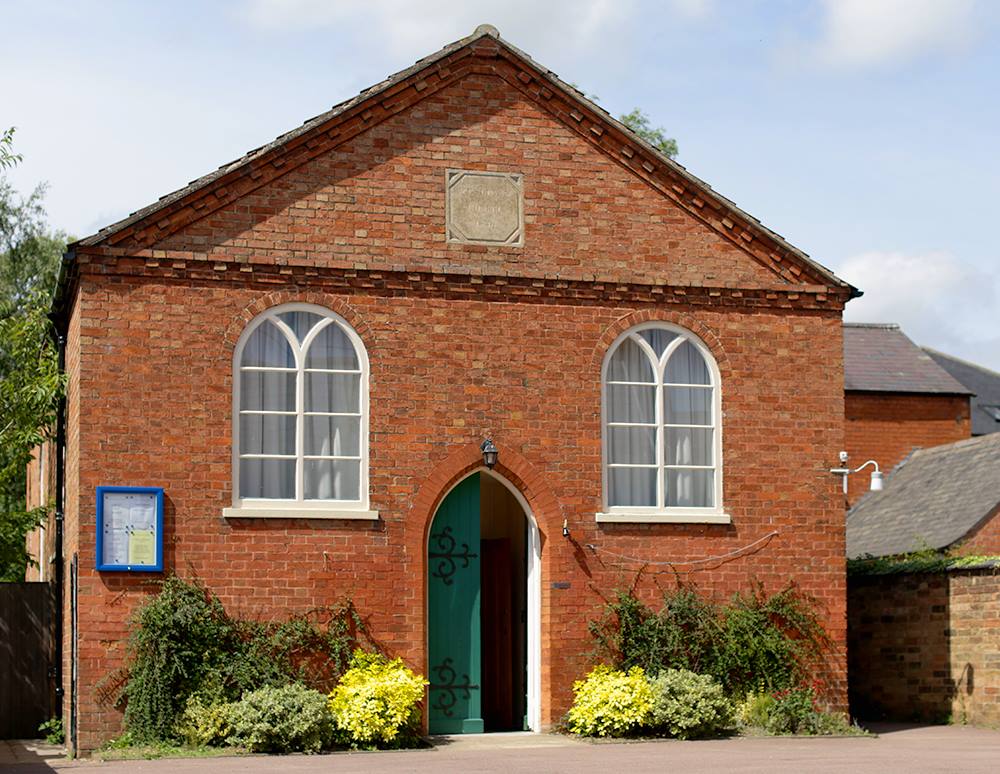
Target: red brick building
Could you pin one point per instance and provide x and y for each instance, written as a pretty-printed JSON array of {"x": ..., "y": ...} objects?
[
  {"x": 896, "y": 399},
  {"x": 307, "y": 348}
]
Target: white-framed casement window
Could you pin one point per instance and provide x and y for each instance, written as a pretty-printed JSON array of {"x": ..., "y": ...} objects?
[
  {"x": 662, "y": 428},
  {"x": 300, "y": 417}
]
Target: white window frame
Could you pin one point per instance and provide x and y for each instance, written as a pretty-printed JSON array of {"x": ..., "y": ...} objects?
[
  {"x": 299, "y": 507},
  {"x": 667, "y": 514}
]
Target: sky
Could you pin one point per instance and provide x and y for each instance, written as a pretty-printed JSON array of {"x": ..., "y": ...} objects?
[{"x": 864, "y": 131}]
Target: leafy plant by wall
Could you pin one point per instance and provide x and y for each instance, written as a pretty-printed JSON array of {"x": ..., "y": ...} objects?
[
  {"x": 610, "y": 702},
  {"x": 375, "y": 704},
  {"x": 755, "y": 640},
  {"x": 688, "y": 705},
  {"x": 290, "y": 718},
  {"x": 184, "y": 644}
]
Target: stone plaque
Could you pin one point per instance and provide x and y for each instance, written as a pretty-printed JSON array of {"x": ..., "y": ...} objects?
[{"x": 484, "y": 208}]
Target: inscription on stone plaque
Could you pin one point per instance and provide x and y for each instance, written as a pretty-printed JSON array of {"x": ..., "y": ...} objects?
[{"x": 484, "y": 208}]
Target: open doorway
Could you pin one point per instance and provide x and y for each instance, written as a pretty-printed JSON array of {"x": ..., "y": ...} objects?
[
  {"x": 483, "y": 608},
  {"x": 503, "y": 531}
]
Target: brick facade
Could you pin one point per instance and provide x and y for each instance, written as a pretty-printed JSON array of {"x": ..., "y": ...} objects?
[
  {"x": 886, "y": 427},
  {"x": 465, "y": 342},
  {"x": 924, "y": 647}
]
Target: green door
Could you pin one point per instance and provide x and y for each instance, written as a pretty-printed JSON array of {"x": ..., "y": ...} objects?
[{"x": 453, "y": 608}]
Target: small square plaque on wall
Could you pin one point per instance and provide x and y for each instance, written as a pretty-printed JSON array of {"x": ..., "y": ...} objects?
[{"x": 484, "y": 208}]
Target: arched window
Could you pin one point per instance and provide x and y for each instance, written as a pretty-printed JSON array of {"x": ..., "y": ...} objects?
[
  {"x": 301, "y": 414},
  {"x": 662, "y": 432}
]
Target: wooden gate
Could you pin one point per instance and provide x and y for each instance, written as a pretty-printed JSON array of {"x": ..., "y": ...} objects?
[{"x": 27, "y": 654}]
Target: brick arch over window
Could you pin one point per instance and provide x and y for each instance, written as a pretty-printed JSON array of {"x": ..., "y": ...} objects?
[
  {"x": 529, "y": 480},
  {"x": 278, "y": 297},
  {"x": 684, "y": 320}
]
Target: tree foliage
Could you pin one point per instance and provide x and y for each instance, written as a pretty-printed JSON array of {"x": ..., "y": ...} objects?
[
  {"x": 656, "y": 136},
  {"x": 30, "y": 382}
]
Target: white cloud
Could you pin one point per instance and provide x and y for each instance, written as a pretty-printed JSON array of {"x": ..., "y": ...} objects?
[
  {"x": 416, "y": 29},
  {"x": 692, "y": 9},
  {"x": 863, "y": 33},
  {"x": 939, "y": 300}
]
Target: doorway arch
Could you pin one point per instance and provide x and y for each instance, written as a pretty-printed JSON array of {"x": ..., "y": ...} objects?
[{"x": 472, "y": 536}]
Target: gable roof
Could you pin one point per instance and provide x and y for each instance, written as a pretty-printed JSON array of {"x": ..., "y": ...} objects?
[
  {"x": 935, "y": 497},
  {"x": 879, "y": 357},
  {"x": 984, "y": 385},
  {"x": 318, "y": 135}
]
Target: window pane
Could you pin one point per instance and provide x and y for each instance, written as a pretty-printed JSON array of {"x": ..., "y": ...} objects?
[
  {"x": 332, "y": 349},
  {"x": 632, "y": 486},
  {"x": 630, "y": 364},
  {"x": 689, "y": 446},
  {"x": 658, "y": 339},
  {"x": 691, "y": 488},
  {"x": 300, "y": 322},
  {"x": 631, "y": 404},
  {"x": 267, "y": 391},
  {"x": 333, "y": 392},
  {"x": 267, "y": 434},
  {"x": 686, "y": 366},
  {"x": 332, "y": 479},
  {"x": 688, "y": 405},
  {"x": 267, "y": 347},
  {"x": 632, "y": 445},
  {"x": 272, "y": 479},
  {"x": 333, "y": 436}
]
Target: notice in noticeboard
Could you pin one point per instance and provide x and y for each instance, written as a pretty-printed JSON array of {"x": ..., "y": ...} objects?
[{"x": 129, "y": 529}]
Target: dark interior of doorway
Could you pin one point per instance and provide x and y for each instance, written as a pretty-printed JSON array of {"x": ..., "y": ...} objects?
[{"x": 504, "y": 608}]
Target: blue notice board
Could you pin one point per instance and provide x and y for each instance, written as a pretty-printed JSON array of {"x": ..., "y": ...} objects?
[{"x": 130, "y": 528}]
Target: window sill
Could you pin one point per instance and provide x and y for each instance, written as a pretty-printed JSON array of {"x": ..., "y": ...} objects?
[
  {"x": 298, "y": 513},
  {"x": 675, "y": 517}
]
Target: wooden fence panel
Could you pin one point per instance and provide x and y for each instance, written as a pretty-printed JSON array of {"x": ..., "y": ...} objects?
[{"x": 27, "y": 651}]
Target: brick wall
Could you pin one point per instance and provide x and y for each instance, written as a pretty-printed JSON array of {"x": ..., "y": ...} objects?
[
  {"x": 464, "y": 342},
  {"x": 40, "y": 489},
  {"x": 984, "y": 541},
  {"x": 925, "y": 646},
  {"x": 886, "y": 427}
]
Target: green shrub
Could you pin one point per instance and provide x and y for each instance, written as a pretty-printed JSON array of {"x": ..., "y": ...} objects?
[
  {"x": 204, "y": 724},
  {"x": 688, "y": 705},
  {"x": 53, "y": 730},
  {"x": 292, "y": 718},
  {"x": 756, "y": 641},
  {"x": 770, "y": 642},
  {"x": 178, "y": 637},
  {"x": 611, "y": 702},
  {"x": 183, "y": 644},
  {"x": 682, "y": 635},
  {"x": 376, "y": 702},
  {"x": 755, "y": 709},
  {"x": 794, "y": 712}
]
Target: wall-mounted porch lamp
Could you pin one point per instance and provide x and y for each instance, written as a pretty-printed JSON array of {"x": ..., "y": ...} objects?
[
  {"x": 490, "y": 453},
  {"x": 875, "y": 485}
]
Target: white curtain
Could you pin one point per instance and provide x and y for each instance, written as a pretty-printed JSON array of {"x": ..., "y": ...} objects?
[
  {"x": 268, "y": 413},
  {"x": 634, "y": 467}
]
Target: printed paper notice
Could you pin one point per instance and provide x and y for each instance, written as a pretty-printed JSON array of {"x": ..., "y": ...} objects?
[
  {"x": 142, "y": 548},
  {"x": 128, "y": 533}
]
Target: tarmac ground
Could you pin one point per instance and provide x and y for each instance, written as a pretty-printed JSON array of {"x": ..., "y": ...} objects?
[{"x": 892, "y": 748}]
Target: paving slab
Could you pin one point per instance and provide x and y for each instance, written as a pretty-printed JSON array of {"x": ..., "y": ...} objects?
[{"x": 908, "y": 749}]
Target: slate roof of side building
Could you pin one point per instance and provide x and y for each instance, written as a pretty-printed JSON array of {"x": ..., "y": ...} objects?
[
  {"x": 983, "y": 383},
  {"x": 934, "y": 498},
  {"x": 879, "y": 357}
]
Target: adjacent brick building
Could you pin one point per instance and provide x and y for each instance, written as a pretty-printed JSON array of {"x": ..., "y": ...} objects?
[
  {"x": 468, "y": 250},
  {"x": 896, "y": 399}
]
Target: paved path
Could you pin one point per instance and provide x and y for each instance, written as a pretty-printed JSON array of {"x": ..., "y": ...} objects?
[{"x": 907, "y": 749}]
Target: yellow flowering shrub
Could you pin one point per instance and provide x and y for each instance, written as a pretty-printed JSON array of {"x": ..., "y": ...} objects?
[
  {"x": 375, "y": 702},
  {"x": 611, "y": 703}
]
